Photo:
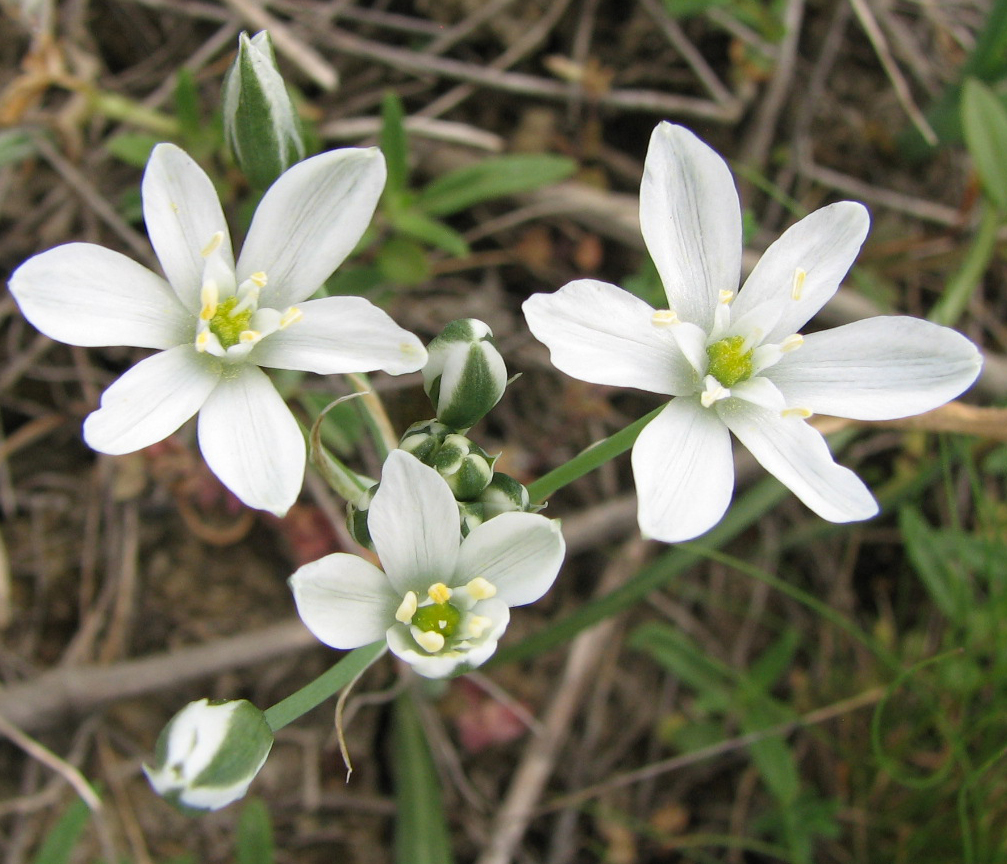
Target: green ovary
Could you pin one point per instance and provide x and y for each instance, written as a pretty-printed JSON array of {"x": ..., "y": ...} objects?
[
  {"x": 440, "y": 618},
  {"x": 227, "y": 327},
  {"x": 728, "y": 363}
]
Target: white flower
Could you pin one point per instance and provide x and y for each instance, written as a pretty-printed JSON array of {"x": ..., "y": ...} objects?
[
  {"x": 216, "y": 322},
  {"x": 441, "y": 602},
  {"x": 737, "y": 364}
]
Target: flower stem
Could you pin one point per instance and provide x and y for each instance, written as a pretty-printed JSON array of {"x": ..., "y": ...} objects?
[
  {"x": 381, "y": 427},
  {"x": 325, "y": 685},
  {"x": 963, "y": 284},
  {"x": 587, "y": 460}
]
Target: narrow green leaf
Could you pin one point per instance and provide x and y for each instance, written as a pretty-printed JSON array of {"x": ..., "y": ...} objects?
[
  {"x": 190, "y": 121},
  {"x": 16, "y": 145},
  {"x": 421, "y": 831},
  {"x": 493, "y": 178},
  {"x": 984, "y": 125},
  {"x": 254, "y": 844},
  {"x": 58, "y": 846},
  {"x": 403, "y": 261},
  {"x": 132, "y": 148},
  {"x": 933, "y": 565},
  {"x": 421, "y": 227},
  {"x": 394, "y": 144}
]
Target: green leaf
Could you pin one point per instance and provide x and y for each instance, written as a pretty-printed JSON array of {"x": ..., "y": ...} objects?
[
  {"x": 421, "y": 227},
  {"x": 132, "y": 148},
  {"x": 421, "y": 832},
  {"x": 254, "y": 844},
  {"x": 984, "y": 125},
  {"x": 493, "y": 178},
  {"x": 58, "y": 846},
  {"x": 403, "y": 261},
  {"x": 190, "y": 121},
  {"x": 934, "y": 566},
  {"x": 394, "y": 145},
  {"x": 16, "y": 145}
]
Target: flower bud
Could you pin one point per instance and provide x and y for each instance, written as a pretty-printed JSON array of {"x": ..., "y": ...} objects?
[
  {"x": 467, "y": 468},
  {"x": 356, "y": 517},
  {"x": 503, "y": 495},
  {"x": 260, "y": 123},
  {"x": 209, "y": 753},
  {"x": 465, "y": 375}
]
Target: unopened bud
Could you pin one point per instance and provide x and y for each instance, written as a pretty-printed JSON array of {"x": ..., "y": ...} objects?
[
  {"x": 467, "y": 468},
  {"x": 465, "y": 375},
  {"x": 260, "y": 123},
  {"x": 209, "y": 753}
]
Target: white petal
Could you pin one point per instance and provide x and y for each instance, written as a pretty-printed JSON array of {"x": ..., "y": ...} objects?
[
  {"x": 182, "y": 213},
  {"x": 760, "y": 391},
  {"x": 599, "y": 333},
  {"x": 798, "y": 456},
  {"x": 151, "y": 400},
  {"x": 691, "y": 222},
  {"x": 822, "y": 247},
  {"x": 252, "y": 442},
  {"x": 339, "y": 335},
  {"x": 684, "y": 472},
  {"x": 414, "y": 523},
  {"x": 87, "y": 295},
  {"x": 519, "y": 553},
  {"x": 878, "y": 369},
  {"x": 344, "y": 600},
  {"x": 309, "y": 221}
]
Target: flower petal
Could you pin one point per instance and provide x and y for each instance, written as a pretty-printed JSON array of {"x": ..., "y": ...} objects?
[
  {"x": 798, "y": 456},
  {"x": 339, "y": 335},
  {"x": 87, "y": 295},
  {"x": 691, "y": 222},
  {"x": 151, "y": 400},
  {"x": 519, "y": 553},
  {"x": 252, "y": 442},
  {"x": 877, "y": 369},
  {"x": 309, "y": 221},
  {"x": 413, "y": 521},
  {"x": 802, "y": 270},
  {"x": 684, "y": 472},
  {"x": 599, "y": 333},
  {"x": 344, "y": 600},
  {"x": 182, "y": 213}
]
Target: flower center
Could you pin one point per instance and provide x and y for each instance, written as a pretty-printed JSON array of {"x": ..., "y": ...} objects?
[
  {"x": 440, "y": 618},
  {"x": 227, "y": 323},
  {"x": 438, "y": 625},
  {"x": 729, "y": 362}
]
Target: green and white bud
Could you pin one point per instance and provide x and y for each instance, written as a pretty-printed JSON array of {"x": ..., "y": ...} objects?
[
  {"x": 503, "y": 495},
  {"x": 465, "y": 375},
  {"x": 467, "y": 468},
  {"x": 260, "y": 123},
  {"x": 209, "y": 753},
  {"x": 356, "y": 517}
]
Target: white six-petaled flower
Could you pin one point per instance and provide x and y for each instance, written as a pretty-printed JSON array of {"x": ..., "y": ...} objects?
[
  {"x": 441, "y": 602},
  {"x": 737, "y": 363},
  {"x": 216, "y": 321}
]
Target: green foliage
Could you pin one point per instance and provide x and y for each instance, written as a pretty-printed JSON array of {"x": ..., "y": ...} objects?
[
  {"x": 59, "y": 844},
  {"x": 16, "y": 145},
  {"x": 762, "y": 16},
  {"x": 254, "y": 843},
  {"x": 984, "y": 125},
  {"x": 421, "y": 832}
]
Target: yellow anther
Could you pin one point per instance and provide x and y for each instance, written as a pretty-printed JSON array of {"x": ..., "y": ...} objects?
[
  {"x": 439, "y": 592},
  {"x": 213, "y": 245},
  {"x": 202, "y": 340},
  {"x": 725, "y": 297},
  {"x": 429, "y": 640},
  {"x": 249, "y": 337},
  {"x": 209, "y": 297},
  {"x": 713, "y": 393},
  {"x": 481, "y": 589},
  {"x": 291, "y": 316},
  {"x": 407, "y": 608},
  {"x": 799, "y": 276},
  {"x": 792, "y": 343},
  {"x": 664, "y": 318},
  {"x": 259, "y": 279},
  {"x": 801, "y": 413},
  {"x": 477, "y": 625}
]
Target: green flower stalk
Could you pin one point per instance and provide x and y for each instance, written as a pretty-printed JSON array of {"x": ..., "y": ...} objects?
[
  {"x": 209, "y": 753},
  {"x": 465, "y": 375},
  {"x": 260, "y": 123}
]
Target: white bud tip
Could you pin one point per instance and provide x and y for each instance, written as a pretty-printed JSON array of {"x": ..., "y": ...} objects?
[
  {"x": 407, "y": 608},
  {"x": 481, "y": 589}
]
